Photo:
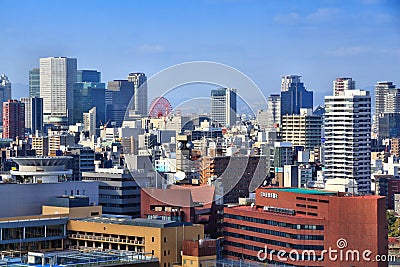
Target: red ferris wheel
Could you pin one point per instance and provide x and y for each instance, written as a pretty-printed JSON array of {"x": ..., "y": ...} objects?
[{"x": 160, "y": 107}]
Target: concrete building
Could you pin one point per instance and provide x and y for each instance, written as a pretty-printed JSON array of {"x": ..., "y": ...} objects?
[
  {"x": 223, "y": 106},
  {"x": 119, "y": 194},
  {"x": 33, "y": 114},
  {"x": 348, "y": 138},
  {"x": 60, "y": 141},
  {"x": 294, "y": 95},
  {"x": 41, "y": 145},
  {"x": 28, "y": 199},
  {"x": 82, "y": 161},
  {"x": 343, "y": 84},
  {"x": 303, "y": 224},
  {"x": 13, "y": 119},
  {"x": 389, "y": 126},
  {"x": 387, "y": 100},
  {"x": 140, "y": 92},
  {"x": 273, "y": 111},
  {"x": 57, "y": 76},
  {"x": 163, "y": 239},
  {"x": 34, "y": 82},
  {"x": 302, "y": 129}
]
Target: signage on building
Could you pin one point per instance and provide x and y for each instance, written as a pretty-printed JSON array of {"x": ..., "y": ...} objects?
[{"x": 269, "y": 195}]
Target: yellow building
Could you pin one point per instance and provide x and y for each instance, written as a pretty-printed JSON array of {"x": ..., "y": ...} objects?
[{"x": 163, "y": 239}]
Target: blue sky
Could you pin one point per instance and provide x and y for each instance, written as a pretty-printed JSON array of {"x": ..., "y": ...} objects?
[{"x": 320, "y": 40}]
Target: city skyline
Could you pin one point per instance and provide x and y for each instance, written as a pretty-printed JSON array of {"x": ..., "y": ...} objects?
[{"x": 358, "y": 40}]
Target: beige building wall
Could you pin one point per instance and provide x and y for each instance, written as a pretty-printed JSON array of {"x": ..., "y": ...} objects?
[{"x": 73, "y": 213}]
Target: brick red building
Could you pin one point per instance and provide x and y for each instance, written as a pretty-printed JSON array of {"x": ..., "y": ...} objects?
[
  {"x": 301, "y": 221},
  {"x": 13, "y": 119}
]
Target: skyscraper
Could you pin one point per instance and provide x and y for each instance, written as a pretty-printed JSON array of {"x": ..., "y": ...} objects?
[
  {"x": 57, "y": 76},
  {"x": 294, "y": 95},
  {"x": 34, "y": 82},
  {"x": 93, "y": 76},
  {"x": 5, "y": 92},
  {"x": 342, "y": 84},
  {"x": 387, "y": 100},
  {"x": 223, "y": 106},
  {"x": 348, "y": 143},
  {"x": 118, "y": 96},
  {"x": 140, "y": 91},
  {"x": 13, "y": 119},
  {"x": 33, "y": 113},
  {"x": 86, "y": 96}
]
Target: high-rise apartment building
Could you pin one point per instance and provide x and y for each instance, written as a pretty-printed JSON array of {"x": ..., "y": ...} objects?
[
  {"x": 342, "y": 84},
  {"x": 13, "y": 119},
  {"x": 271, "y": 117},
  {"x": 294, "y": 95},
  {"x": 93, "y": 76},
  {"x": 223, "y": 106},
  {"x": 33, "y": 113},
  {"x": 118, "y": 96},
  {"x": 303, "y": 129},
  {"x": 140, "y": 91},
  {"x": 348, "y": 138},
  {"x": 34, "y": 82},
  {"x": 57, "y": 76},
  {"x": 5, "y": 92}
]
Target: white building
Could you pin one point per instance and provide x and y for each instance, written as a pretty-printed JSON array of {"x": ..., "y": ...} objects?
[
  {"x": 343, "y": 84},
  {"x": 89, "y": 120},
  {"x": 348, "y": 138},
  {"x": 223, "y": 106},
  {"x": 57, "y": 76},
  {"x": 140, "y": 96}
]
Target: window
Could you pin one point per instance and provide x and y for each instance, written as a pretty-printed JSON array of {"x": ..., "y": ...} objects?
[
  {"x": 165, "y": 240},
  {"x": 165, "y": 253},
  {"x": 152, "y": 239}
]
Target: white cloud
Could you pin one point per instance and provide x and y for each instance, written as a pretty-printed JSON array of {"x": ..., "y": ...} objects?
[
  {"x": 150, "y": 49},
  {"x": 323, "y": 14},
  {"x": 290, "y": 18}
]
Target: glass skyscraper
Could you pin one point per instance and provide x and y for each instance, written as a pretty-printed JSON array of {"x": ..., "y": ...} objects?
[
  {"x": 34, "y": 82},
  {"x": 294, "y": 95},
  {"x": 93, "y": 76},
  {"x": 86, "y": 96}
]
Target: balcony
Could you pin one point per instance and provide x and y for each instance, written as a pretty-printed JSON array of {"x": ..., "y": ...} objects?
[{"x": 105, "y": 239}]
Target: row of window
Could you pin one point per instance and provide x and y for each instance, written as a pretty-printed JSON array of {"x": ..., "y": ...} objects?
[
  {"x": 274, "y": 242},
  {"x": 275, "y": 233},
  {"x": 118, "y": 196},
  {"x": 275, "y": 223},
  {"x": 119, "y": 187}
]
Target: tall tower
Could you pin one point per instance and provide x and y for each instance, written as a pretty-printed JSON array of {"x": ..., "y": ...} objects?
[
  {"x": 33, "y": 113},
  {"x": 294, "y": 95},
  {"x": 223, "y": 106},
  {"x": 118, "y": 96},
  {"x": 342, "y": 84},
  {"x": 89, "y": 121},
  {"x": 348, "y": 139},
  {"x": 5, "y": 92},
  {"x": 57, "y": 76},
  {"x": 13, "y": 119},
  {"x": 140, "y": 91},
  {"x": 34, "y": 82}
]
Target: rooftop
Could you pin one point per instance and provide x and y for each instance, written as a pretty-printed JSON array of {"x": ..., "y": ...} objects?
[
  {"x": 137, "y": 222},
  {"x": 41, "y": 161}
]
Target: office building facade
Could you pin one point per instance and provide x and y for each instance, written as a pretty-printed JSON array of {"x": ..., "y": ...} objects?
[
  {"x": 33, "y": 114},
  {"x": 34, "y": 82},
  {"x": 5, "y": 92},
  {"x": 93, "y": 76},
  {"x": 223, "y": 106},
  {"x": 300, "y": 224},
  {"x": 57, "y": 76},
  {"x": 348, "y": 138},
  {"x": 118, "y": 99},
  {"x": 88, "y": 95},
  {"x": 294, "y": 95}
]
